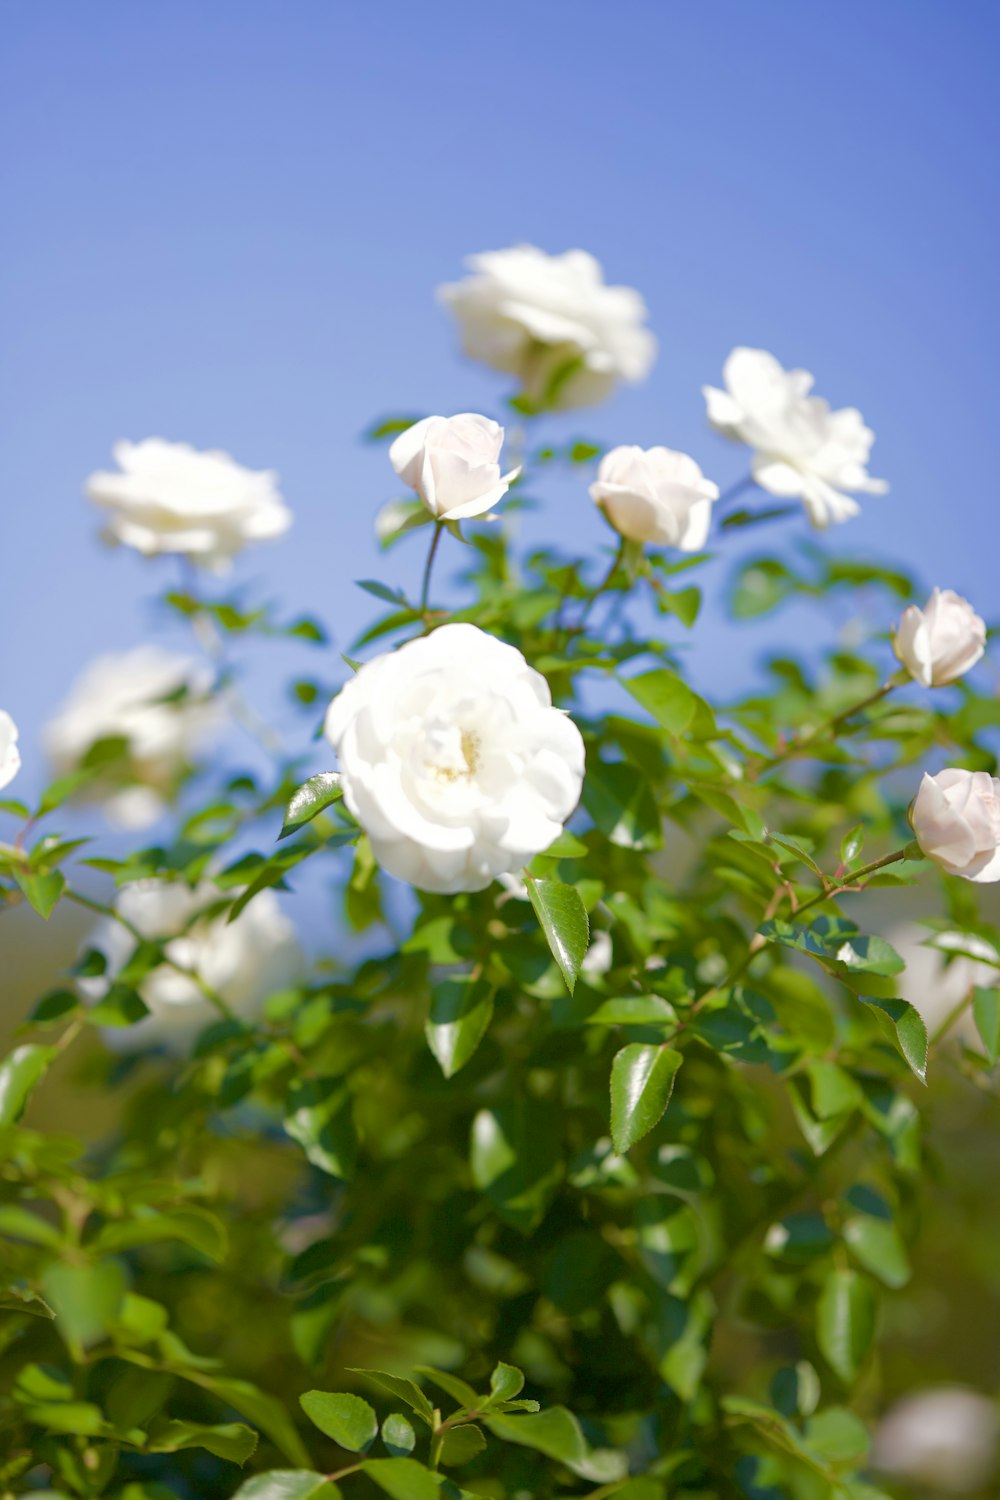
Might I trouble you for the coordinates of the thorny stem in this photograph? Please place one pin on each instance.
(102, 909)
(429, 568)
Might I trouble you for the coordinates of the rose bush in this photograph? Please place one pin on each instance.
(510, 1092)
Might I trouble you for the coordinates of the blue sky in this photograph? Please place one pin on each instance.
(225, 224)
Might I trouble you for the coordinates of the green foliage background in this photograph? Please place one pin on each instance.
(522, 1228)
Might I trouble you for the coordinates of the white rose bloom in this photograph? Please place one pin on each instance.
(940, 643)
(453, 759)
(956, 821)
(243, 961)
(122, 696)
(655, 495)
(946, 1438)
(936, 984)
(453, 463)
(168, 497)
(552, 321)
(10, 756)
(802, 449)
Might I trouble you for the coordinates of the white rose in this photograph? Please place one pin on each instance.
(655, 495)
(151, 698)
(935, 983)
(453, 463)
(553, 322)
(244, 961)
(802, 449)
(939, 644)
(453, 759)
(956, 821)
(10, 756)
(947, 1438)
(171, 498)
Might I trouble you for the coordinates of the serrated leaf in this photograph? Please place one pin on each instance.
(461, 1445)
(309, 800)
(402, 1388)
(563, 919)
(642, 1080)
(904, 1022)
(347, 1419)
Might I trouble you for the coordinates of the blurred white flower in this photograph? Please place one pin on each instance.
(243, 961)
(453, 759)
(956, 821)
(940, 643)
(552, 321)
(453, 463)
(655, 495)
(152, 699)
(10, 756)
(597, 960)
(168, 497)
(947, 1438)
(935, 984)
(802, 449)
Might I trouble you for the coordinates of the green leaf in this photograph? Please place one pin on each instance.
(458, 1389)
(265, 1411)
(634, 1010)
(194, 1226)
(121, 1006)
(506, 1382)
(319, 1117)
(556, 1433)
(21, 1224)
(309, 800)
(402, 1388)
(845, 1322)
(403, 1478)
(347, 1419)
(986, 1012)
(288, 1484)
(838, 1436)
(398, 1435)
(665, 696)
(387, 427)
(230, 1440)
(55, 1006)
(642, 1080)
(902, 1021)
(563, 919)
(515, 1159)
(461, 1009)
(878, 1246)
(622, 805)
(20, 1072)
(42, 891)
(86, 1298)
(461, 1445)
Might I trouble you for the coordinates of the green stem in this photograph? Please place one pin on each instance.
(429, 568)
(849, 882)
(616, 562)
(802, 742)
